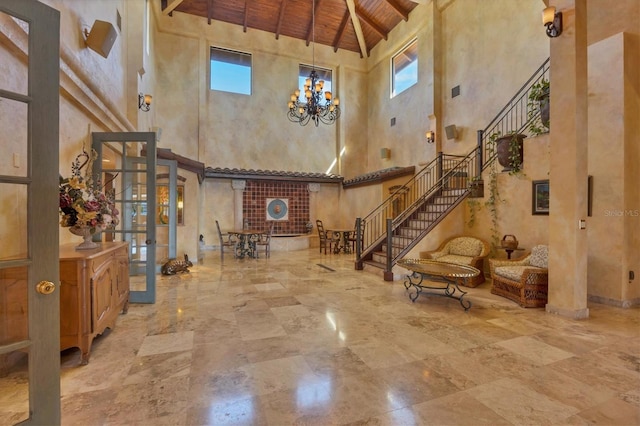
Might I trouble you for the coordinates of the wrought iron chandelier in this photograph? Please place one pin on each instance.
(318, 107)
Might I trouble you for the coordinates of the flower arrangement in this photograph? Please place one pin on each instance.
(82, 203)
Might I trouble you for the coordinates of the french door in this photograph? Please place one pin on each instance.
(29, 222)
(127, 162)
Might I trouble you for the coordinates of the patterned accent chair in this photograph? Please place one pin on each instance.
(462, 250)
(523, 280)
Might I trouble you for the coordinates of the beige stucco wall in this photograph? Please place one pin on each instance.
(471, 42)
(613, 126)
(514, 207)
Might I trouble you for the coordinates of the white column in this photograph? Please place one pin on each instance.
(238, 189)
(313, 188)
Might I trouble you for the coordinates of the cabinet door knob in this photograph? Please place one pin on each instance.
(45, 287)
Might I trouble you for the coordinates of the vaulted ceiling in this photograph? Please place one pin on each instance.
(354, 25)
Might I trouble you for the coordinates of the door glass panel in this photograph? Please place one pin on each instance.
(163, 215)
(13, 305)
(14, 384)
(13, 115)
(13, 221)
(13, 69)
(14, 387)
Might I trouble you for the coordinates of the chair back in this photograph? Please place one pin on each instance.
(267, 237)
(219, 231)
(321, 233)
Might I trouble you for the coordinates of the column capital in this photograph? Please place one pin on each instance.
(239, 185)
(314, 187)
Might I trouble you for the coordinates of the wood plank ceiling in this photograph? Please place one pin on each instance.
(354, 25)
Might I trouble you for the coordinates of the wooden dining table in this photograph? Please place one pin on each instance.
(246, 240)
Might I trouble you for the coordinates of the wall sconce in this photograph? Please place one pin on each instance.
(553, 21)
(431, 136)
(144, 102)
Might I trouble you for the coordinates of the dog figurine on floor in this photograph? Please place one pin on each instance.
(173, 266)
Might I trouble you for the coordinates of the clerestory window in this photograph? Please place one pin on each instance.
(230, 71)
(404, 68)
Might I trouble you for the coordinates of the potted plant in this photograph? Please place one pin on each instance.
(539, 102)
(476, 187)
(510, 150)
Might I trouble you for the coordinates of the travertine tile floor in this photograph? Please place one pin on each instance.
(303, 338)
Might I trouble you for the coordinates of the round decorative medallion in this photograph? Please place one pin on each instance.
(277, 209)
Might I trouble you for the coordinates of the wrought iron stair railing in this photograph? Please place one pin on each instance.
(384, 225)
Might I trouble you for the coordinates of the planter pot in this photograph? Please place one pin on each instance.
(476, 189)
(543, 104)
(504, 153)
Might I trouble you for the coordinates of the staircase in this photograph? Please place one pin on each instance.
(438, 188)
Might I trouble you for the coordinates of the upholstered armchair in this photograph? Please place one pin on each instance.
(523, 280)
(462, 250)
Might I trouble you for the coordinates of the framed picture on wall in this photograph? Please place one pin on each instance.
(540, 197)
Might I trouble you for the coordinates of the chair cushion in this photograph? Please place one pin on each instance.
(453, 258)
(539, 256)
(465, 246)
(512, 272)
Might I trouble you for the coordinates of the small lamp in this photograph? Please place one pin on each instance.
(144, 102)
(431, 136)
(553, 21)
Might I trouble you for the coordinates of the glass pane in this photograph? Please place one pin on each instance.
(230, 71)
(13, 115)
(405, 68)
(14, 387)
(13, 221)
(13, 305)
(13, 63)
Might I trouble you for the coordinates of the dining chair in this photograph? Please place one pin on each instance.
(228, 242)
(265, 240)
(324, 240)
(353, 238)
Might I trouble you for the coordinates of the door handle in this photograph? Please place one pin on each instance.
(148, 242)
(45, 287)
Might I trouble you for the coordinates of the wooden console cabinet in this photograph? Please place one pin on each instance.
(94, 289)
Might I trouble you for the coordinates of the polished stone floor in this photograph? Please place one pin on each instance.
(303, 338)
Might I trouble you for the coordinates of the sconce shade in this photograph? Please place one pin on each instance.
(144, 101)
(552, 20)
(101, 37)
(431, 136)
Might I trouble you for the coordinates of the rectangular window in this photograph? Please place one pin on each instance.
(305, 72)
(230, 71)
(404, 68)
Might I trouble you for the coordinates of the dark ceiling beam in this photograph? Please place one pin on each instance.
(245, 19)
(363, 16)
(283, 5)
(169, 5)
(209, 11)
(340, 32)
(398, 9)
